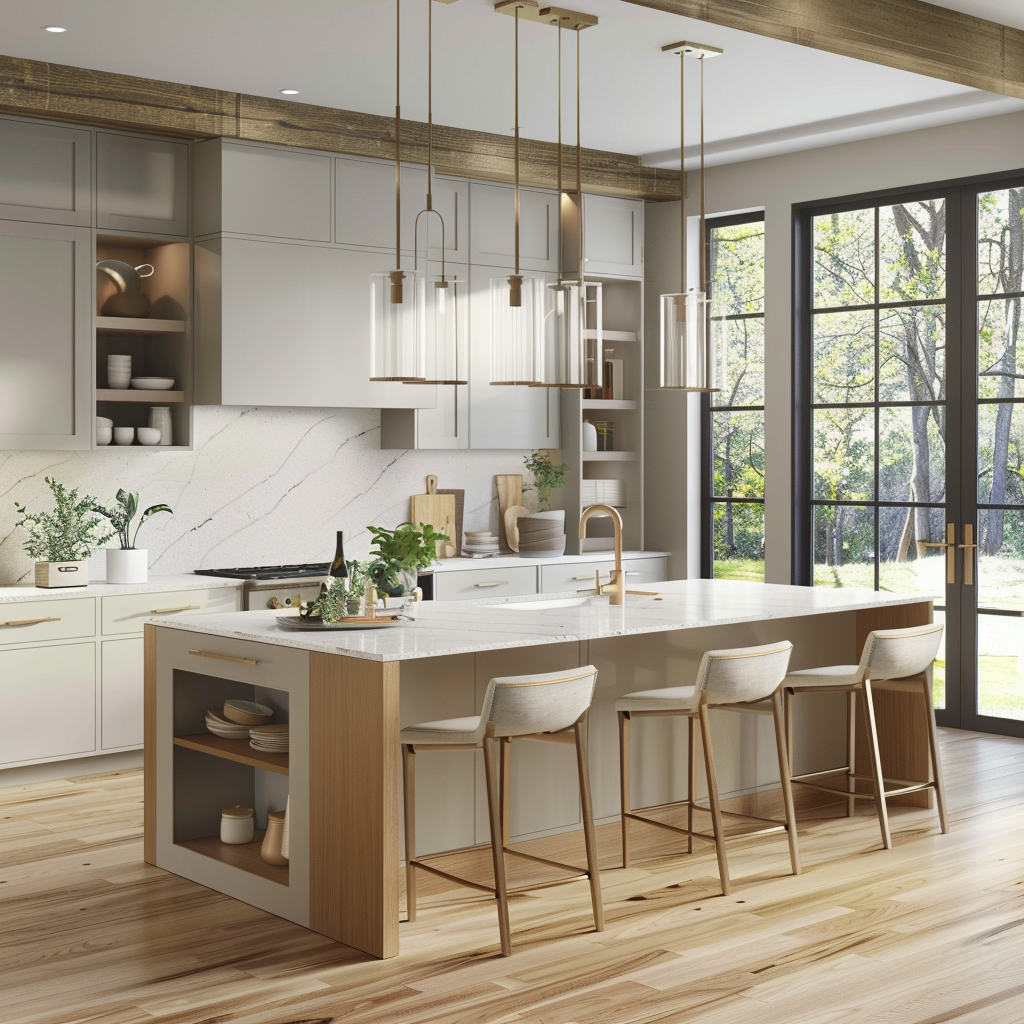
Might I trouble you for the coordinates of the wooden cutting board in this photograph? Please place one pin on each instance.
(510, 492)
(438, 511)
(460, 508)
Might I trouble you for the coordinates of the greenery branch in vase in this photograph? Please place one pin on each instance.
(62, 541)
(343, 597)
(546, 475)
(127, 564)
(399, 554)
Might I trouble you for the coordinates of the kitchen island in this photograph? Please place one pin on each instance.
(347, 694)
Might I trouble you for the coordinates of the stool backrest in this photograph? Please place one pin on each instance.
(743, 673)
(897, 653)
(520, 705)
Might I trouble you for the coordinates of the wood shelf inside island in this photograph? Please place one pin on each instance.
(244, 856)
(137, 325)
(234, 750)
(138, 395)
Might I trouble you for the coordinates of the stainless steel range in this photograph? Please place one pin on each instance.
(275, 586)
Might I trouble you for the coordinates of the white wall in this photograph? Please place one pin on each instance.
(263, 486)
(980, 147)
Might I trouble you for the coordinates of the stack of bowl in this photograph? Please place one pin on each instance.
(480, 542)
(542, 535)
(104, 429)
(119, 371)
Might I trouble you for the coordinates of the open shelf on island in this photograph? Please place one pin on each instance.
(608, 404)
(234, 750)
(137, 325)
(244, 856)
(609, 456)
(138, 395)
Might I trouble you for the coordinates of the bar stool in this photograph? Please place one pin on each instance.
(741, 679)
(551, 707)
(892, 659)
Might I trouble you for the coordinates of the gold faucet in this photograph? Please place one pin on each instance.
(615, 588)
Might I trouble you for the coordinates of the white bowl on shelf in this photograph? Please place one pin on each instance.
(104, 434)
(103, 421)
(124, 435)
(152, 383)
(147, 435)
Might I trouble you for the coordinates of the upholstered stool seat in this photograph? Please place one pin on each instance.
(552, 707)
(741, 679)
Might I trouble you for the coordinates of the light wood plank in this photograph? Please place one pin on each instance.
(235, 750)
(245, 856)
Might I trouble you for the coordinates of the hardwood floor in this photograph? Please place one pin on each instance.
(931, 931)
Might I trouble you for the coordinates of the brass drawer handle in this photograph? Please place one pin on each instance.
(494, 583)
(28, 622)
(632, 572)
(224, 657)
(577, 579)
(170, 611)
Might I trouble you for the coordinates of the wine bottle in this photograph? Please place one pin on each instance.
(338, 566)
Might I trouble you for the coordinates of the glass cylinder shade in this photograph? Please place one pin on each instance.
(398, 330)
(686, 363)
(447, 330)
(517, 331)
(572, 354)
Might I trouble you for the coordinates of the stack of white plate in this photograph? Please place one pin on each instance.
(220, 726)
(119, 371)
(271, 738)
(480, 542)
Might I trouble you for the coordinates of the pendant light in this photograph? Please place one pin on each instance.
(447, 328)
(572, 353)
(687, 362)
(517, 301)
(398, 325)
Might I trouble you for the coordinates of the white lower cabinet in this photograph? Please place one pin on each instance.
(48, 695)
(120, 693)
(465, 584)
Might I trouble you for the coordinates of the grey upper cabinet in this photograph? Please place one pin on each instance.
(286, 324)
(141, 184)
(46, 340)
(613, 236)
(271, 191)
(365, 209)
(44, 173)
(492, 233)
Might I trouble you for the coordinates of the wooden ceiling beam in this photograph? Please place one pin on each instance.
(909, 35)
(55, 91)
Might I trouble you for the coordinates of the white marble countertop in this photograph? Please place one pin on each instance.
(463, 627)
(99, 588)
(507, 561)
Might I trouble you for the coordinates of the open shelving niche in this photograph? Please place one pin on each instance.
(211, 773)
(622, 335)
(160, 345)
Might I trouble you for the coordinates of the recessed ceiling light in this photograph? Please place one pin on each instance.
(54, 28)
(289, 92)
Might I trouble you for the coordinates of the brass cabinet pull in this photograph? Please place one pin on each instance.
(969, 548)
(632, 572)
(28, 622)
(577, 579)
(950, 545)
(494, 583)
(181, 608)
(224, 657)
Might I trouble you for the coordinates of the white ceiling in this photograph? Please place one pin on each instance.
(763, 96)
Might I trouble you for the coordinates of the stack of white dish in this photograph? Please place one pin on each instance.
(270, 738)
(608, 492)
(104, 430)
(541, 535)
(220, 726)
(152, 383)
(480, 542)
(119, 371)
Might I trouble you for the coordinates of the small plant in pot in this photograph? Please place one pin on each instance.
(61, 541)
(398, 554)
(546, 475)
(127, 564)
(542, 534)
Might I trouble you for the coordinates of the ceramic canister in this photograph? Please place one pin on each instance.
(236, 825)
(270, 851)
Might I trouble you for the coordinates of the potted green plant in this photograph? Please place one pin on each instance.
(542, 534)
(127, 564)
(398, 554)
(546, 475)
(61, 541)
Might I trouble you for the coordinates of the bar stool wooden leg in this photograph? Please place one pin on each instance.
(506, 788)
(933, 742)
(409, 774)
(851, 751)
(716, 811)
(691, 778)
(624, 782)
(587, 810)
(491, 771)
(787, 789)
(876, 765)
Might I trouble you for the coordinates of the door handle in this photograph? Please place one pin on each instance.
(969, 547)
(492, 583)
(950, 545)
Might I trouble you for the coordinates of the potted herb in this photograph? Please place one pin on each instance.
(400, 553)
(546, 475)
(62, 541)
(127, 564)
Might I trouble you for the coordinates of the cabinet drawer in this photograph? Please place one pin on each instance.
(469, 583)
(646, 570)
(560, 579)
(128, 612)
(28, 622)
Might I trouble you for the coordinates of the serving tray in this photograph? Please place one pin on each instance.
(297, 624)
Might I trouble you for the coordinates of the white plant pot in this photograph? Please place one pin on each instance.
(127, 565)
(62, 574)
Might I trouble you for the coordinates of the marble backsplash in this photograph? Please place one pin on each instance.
(263, 486)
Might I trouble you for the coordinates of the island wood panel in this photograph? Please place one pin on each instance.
(899, 717)
(353, 801)
(149, 743)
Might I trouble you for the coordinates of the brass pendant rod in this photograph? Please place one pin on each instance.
(579, 157)
(430, 102)
(703, 240)
(398, 135)
(560, 250)
(682, 168)
(517, 140)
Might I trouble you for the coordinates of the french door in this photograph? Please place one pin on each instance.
(909, 435)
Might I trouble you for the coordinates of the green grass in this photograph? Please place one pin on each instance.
(748, 569)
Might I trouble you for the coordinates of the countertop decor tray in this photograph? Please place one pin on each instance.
(297, 624)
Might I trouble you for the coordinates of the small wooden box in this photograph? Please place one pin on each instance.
(62, 574)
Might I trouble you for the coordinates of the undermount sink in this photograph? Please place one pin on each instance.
(541, 603)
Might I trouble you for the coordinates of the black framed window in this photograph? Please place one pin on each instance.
(733, 435)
